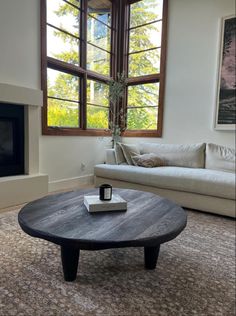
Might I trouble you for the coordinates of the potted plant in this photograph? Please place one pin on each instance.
(116, 94)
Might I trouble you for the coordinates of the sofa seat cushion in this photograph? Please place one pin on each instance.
(201, 181)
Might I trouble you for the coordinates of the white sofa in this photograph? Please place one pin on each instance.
(199, 176)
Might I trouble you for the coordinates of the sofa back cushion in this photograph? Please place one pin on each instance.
(130, 150)
(190, 156)
(220, 158)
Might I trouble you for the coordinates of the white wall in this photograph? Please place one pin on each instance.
(192, 62)
(19, 43)
(62, 157)
(191, 77)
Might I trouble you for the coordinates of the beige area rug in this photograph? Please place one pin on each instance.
(195, 275)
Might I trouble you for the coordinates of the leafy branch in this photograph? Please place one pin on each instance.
(117, 114)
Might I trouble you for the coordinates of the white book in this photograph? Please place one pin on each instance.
(94, 204)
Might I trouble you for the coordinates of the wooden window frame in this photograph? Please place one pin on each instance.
(152, 78)
(80, 71)
(118, 64)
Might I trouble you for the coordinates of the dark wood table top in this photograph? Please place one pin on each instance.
(63, 219)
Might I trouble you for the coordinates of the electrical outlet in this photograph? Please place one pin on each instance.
(101, 139)
(82, 167)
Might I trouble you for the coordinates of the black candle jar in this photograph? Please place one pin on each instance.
(105, 192)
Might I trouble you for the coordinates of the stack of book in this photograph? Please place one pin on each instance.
(94, 204)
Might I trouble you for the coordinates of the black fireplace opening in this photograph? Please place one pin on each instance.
(11, 140)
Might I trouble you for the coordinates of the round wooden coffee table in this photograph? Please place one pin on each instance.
(149, 221)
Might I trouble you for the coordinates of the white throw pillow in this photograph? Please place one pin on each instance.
(120, 158)
(148, 160)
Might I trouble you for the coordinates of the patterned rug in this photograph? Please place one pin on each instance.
(195, 275)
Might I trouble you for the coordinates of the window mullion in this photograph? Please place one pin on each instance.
(63, 31)
(125, 12)
(83, 62)
(145, 24)
(122, 16)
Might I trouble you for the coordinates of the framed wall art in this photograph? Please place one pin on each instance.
(225, 114)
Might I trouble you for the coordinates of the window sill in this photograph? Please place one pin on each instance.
(57, 131)
(142, 133)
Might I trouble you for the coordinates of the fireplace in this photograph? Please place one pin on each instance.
(11, 140)
(20, 178)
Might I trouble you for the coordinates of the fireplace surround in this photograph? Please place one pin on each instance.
(29, 183)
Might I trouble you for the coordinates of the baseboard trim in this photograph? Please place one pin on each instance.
(70, 183)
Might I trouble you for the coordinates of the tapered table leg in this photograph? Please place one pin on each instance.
(70, 260)
(150, 257)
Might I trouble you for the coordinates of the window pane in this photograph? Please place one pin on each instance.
(62, 85)
(62, 46)
(101, 10)
(97, 117)
(63, 113)
(144, 63)
(143, 118)
(145, 37)
(145, 11)
(63, 15)
(143, 95)
(99, 34)
(97, 93)
(98, 60)
(75, 2)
